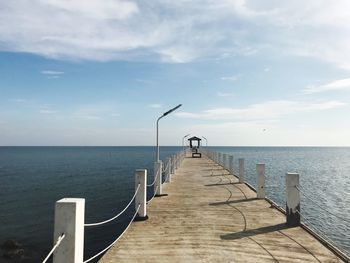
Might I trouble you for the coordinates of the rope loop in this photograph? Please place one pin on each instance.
(119, 214)
(167, 165)
(58, 242)
(324, 209)
(115, 241)
(154, 194)
(155, 179)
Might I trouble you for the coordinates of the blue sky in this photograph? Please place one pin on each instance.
(247, 72)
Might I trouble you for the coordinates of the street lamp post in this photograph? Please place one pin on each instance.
(158, 164)
(206, 141)
(164, 114)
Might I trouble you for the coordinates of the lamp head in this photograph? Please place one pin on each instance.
(170, 111)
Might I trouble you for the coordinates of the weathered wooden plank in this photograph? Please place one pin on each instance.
(208, 216)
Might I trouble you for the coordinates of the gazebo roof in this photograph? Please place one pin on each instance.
(194, 138)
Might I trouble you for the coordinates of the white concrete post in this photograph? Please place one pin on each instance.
(170, 169)
(172, 164)
(225, 161)
(292, 199)
(167, 172)
(230, 161)
(260, 180)
(69, 220)
(176, 161)
(158, 182)
(241, 170)
(140, 198)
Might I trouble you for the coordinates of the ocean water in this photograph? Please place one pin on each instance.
(33, 178)
(324, 183)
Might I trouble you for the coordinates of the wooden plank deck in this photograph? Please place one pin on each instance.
(209, 217)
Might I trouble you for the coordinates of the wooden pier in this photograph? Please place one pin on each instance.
(208, 216)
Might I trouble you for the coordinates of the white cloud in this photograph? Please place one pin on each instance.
(341, 84)
(144, 81)
(155, 106)
(18, 100)
(46, 111)
(230, 78)
(224, 94)
(94, 112)
(51, 72)
(87, 117)
(109, 9)
(266, 110)
(184, 114)
(176, 31)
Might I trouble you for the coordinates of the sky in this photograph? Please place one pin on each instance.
(248, 72)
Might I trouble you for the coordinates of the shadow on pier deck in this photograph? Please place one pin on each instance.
(209, 217)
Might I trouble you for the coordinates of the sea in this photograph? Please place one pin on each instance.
(32, 179)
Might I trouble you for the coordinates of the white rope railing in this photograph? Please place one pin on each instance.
(317, 230)
(329, 212)
(312, 225)
(167, 176)
(166, 167)
(75, 240)
(154, 194)
(155, 179)
(119, 214)
(58, 242)
(115, 241)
